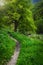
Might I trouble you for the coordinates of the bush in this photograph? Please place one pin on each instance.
(31, 52)
(39, 24)
(7, 46)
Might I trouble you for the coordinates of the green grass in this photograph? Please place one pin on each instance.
(7, 46)
(37, 36)
(31, 52)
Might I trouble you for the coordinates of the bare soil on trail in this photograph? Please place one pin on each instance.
(14, 58)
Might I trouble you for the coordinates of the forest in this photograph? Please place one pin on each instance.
(21, 32)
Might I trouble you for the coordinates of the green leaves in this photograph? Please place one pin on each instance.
(38, 16)
(7, 46)
(31, 52)
(19, 13)
(16, 16)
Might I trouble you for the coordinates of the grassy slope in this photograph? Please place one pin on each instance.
(31, 52)
(7, 46)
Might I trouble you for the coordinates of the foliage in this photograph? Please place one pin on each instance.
(39, 24)
(7, 46)
(18, 12)
(38, 16)
(31, 52)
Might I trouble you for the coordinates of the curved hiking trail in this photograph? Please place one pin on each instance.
(14, 58)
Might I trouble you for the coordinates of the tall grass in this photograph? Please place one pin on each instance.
(7, 46)
(31, 52)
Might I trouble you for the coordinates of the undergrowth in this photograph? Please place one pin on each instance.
(7, 46)
(31, 52)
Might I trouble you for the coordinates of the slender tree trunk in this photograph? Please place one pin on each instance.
(15, 26)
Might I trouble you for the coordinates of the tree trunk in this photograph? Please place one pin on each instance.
(15, 26)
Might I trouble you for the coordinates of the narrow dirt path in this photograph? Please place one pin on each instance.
(14, 58)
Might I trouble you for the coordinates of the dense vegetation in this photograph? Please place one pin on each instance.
(16, 17)
(7, 46)
(38, 16)
(31, 52)
(19, 13)
(23, 16)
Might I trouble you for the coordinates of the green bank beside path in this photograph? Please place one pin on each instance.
(7, 47)
(31, 52)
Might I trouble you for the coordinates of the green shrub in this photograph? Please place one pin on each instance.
(31, 52)
(7, 46)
